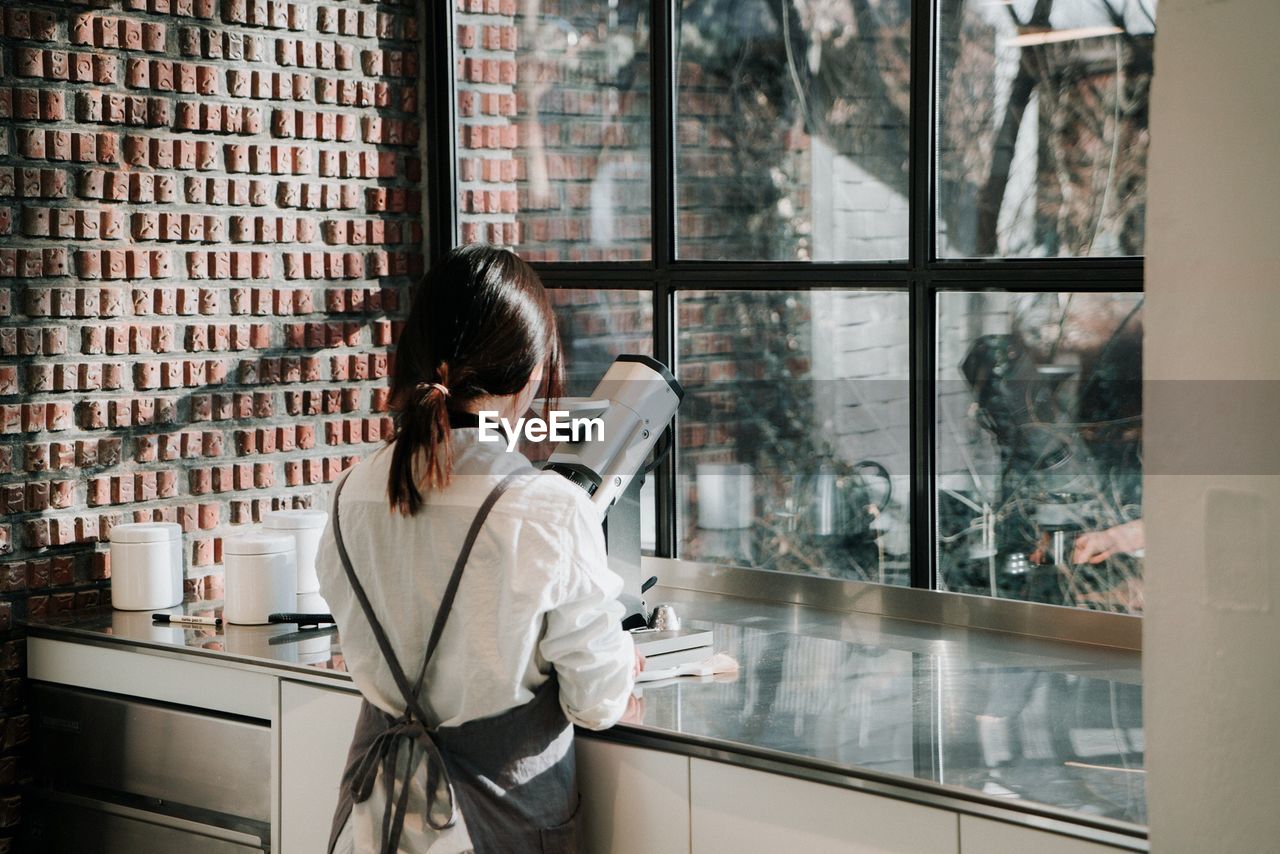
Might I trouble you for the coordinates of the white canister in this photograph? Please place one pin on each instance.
(261, 577)
(146, 566)
(306, 526)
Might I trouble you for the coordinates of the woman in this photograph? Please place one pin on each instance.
(478, 616)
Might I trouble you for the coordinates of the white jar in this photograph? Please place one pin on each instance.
(305, 526)
(146, 566)
(261, 577)
(726, 496)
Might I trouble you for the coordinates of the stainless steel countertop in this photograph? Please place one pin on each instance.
(1035, 731)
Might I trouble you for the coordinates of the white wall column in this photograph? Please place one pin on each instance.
(1212, 504)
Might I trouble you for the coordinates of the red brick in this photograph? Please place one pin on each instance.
(120, 227)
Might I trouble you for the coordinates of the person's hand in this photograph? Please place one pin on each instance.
(1126, 596)
(1097, 546)
(638, 667)
(635, 711)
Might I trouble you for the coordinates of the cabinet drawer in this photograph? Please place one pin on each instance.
(189, 681)
(86, 827)
(149, 750)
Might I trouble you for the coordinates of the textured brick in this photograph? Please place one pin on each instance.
(203, 205)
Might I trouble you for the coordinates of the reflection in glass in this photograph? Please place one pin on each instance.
(576, 184)
(794, 441)
(1039, 447)
(595, 327)
(791, 129)
(1042, 137)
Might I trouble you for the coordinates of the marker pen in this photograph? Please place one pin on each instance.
(187, 620)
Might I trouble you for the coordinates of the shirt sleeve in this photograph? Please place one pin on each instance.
(584, 639)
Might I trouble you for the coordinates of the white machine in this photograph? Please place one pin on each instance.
(636, 401)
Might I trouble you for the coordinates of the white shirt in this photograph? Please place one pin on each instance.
(537, 593)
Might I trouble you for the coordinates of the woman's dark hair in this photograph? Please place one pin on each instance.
(480, 324)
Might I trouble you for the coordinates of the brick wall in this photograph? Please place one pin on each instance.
(209, 212)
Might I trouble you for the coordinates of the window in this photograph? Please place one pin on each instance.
(598, 325)
(553, 113)
(795, 437)
(1042, 137)
(891, 247)
(791, 130)
(1039, 446)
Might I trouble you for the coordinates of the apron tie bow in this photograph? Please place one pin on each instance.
(383, 754)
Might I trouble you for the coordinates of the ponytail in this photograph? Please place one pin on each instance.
(423, 440)
(479, 326)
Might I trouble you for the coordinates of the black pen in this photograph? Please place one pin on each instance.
(187, 620)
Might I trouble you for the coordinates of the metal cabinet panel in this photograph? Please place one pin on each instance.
(85, 827)
(750, 812)
(634, 801)
(316, 725)
(170, 754)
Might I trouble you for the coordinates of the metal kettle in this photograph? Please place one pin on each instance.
(840, 504)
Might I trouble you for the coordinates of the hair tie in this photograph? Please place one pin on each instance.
(426, 387)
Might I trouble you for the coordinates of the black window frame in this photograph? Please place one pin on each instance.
(922, 275)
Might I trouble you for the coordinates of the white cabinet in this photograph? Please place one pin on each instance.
(634, 801)
(134, 672)
(742, 811)
(983, 836)
(315, 731)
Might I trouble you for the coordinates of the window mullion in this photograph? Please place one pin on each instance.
(663, 225)
(922, 371)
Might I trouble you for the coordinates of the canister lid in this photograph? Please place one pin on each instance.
(257, 544)
(293, 520)
(146, 532)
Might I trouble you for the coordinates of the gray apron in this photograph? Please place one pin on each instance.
(485, 769)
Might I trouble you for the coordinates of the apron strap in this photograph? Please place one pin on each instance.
(379, 634)
(410, 731)
(411, 693)
(451, 590)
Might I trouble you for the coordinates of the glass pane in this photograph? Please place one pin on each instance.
(791, 129)
(1042, 111)
(553, 129)
(794, 442)
(595, 327)
(1039, 447)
